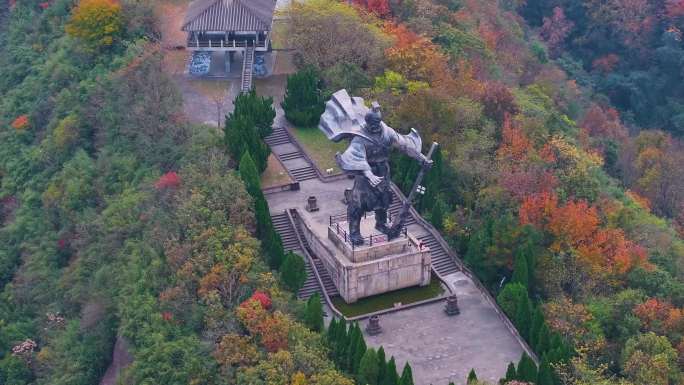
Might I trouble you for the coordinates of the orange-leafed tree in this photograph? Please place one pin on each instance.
(97, 22)
(416, 57)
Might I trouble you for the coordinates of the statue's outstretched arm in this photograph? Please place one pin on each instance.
(410, 144)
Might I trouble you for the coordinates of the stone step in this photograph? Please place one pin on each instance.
(290, 156)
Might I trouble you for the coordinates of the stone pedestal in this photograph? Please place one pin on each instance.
(378, 266)
(451, 307)
(311, 204)
(373, 328)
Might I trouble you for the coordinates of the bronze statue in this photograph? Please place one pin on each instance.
(367, 159)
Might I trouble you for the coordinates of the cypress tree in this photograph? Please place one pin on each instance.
(511, 374)
(259, 109)
(522, 318)
(314, 313)
(527, 370)
(520, 270)
(351, 348)
(391, 376)
(273, 246)
(382, 364)
(250, 175)
(368, 368)
(342, 341)
(304, 101)
(535, 327)
(472, 377)
(293, 272)
(545, 376)
(437, 214)
(359, 352)
(331, 333)
(543, 343)
(406, 375)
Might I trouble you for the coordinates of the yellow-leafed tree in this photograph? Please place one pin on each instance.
(97, 22)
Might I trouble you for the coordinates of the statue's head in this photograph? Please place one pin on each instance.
(373, 119)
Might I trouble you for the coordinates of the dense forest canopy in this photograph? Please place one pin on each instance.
(559, 181)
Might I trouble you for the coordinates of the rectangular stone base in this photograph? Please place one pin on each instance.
(367, 270)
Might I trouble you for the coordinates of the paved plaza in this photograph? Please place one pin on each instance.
(440, 348)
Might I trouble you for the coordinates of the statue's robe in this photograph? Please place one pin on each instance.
(370, 152)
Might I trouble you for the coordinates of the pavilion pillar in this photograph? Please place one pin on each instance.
(228, 58)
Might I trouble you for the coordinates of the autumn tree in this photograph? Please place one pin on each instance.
(97, 22)
(555, 30)
(648, 358)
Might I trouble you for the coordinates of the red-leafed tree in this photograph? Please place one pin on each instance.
(170, 180)
(556, 29)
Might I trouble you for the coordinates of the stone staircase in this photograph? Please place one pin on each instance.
(441, 260)
(280, 136)
(283, 226)
(247, 69)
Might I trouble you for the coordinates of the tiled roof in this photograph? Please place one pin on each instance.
(229, 15)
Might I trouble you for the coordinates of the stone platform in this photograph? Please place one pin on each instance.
(376, 267)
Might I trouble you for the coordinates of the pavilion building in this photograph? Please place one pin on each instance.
(230, 26)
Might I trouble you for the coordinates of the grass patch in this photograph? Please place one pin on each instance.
(275, 174)
(387, 300)
(320, 149)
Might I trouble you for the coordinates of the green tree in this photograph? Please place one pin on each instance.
(535, 326)
(391, 376)
(331, 333)
(293, 271)
(314, 312)
(14, 371)
(259, 109)
(522, 318)
(406, 375)
(273, 246)
(545, 376)
(359, 350)
(510, 297)
(542, 341)
(382, 364)
(520, 270)
(368, 368)
(527, 370)
(472, 377)
(437, 212)
(250, 175)
(511, 374)
(304, 101)
(650, 359)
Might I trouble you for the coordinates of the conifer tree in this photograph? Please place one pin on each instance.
(537, 322)
(391, 376)
(331, 334)
(314, 313)
(350, 352)
(304, 101)
(522, 316)
(382, 364)
(273, 246)
(406, 375)
(439, 209)
(545, 375)
(511, 374)
(368, 368)
(359, 352)
(293, 272)
(527, 370)
(520, 270)
(259, 109)
(250, 175)
(543, 343)
(342, 341)
(472, 377)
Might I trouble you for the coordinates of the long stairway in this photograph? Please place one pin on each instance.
(441, 260)
(247, 67)
(300, 172)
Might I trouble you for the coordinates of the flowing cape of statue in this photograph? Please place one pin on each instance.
(344, 118)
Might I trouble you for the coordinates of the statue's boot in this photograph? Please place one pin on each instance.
(381, 221)
(355, 231)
